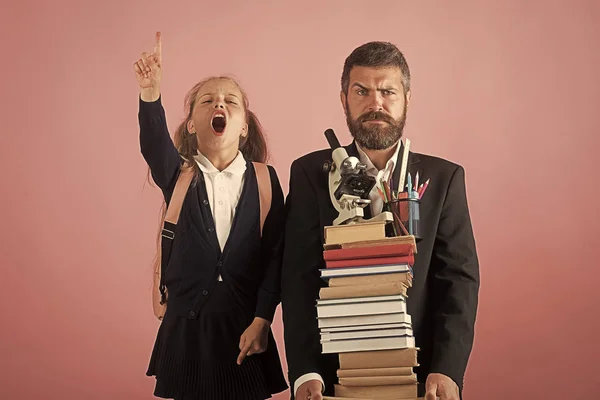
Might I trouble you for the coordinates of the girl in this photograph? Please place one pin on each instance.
(222, 277)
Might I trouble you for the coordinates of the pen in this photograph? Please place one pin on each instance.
(409, 186)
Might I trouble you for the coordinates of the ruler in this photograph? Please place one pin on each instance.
(404, 163)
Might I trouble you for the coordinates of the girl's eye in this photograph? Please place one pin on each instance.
(206, 101)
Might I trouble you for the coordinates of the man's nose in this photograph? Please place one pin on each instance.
(375, 102)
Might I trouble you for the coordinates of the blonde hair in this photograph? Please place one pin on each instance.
(253, 147)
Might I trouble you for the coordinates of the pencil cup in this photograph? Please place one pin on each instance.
(406, 216)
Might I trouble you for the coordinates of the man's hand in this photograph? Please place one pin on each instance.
(310, 390)
(255, 338)
(442, 386)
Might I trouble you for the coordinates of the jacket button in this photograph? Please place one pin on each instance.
(204, 292)
(205, 202)
(210, 229)
(220, 264)
(192, 314)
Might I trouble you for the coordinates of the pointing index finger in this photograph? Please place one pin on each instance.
(158, 47)
(243, 353)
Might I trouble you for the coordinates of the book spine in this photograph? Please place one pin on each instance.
(365, 262)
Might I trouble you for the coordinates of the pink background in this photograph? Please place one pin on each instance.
(509, 89)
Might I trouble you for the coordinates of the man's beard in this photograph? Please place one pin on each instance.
(376, 137)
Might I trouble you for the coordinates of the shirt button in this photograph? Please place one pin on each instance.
(204, 293)
(222, 189)
(220, 202)
(192, 314)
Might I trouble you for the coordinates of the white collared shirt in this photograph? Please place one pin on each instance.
(380, 175)
(224, 189)
(376, 208)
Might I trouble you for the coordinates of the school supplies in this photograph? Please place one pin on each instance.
(362, 313)
(422, 189)
(404, 163)
(349, 185)
(416, 181)
(405, 204)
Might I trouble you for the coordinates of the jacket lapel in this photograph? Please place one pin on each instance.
(352, 150)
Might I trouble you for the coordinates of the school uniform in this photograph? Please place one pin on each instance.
(221, 275)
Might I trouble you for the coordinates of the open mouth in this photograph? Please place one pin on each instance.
(218, 123)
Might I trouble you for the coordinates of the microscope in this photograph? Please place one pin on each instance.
(349, 186)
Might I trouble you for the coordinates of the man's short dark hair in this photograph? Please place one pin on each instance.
(376, 55)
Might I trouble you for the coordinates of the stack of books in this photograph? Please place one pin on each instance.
(362, 314)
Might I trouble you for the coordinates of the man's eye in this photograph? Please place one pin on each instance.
(361, 92)
(387, 93)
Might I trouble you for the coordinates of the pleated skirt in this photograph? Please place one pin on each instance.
(196, 359)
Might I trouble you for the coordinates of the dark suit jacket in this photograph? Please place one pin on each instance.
(444, 297)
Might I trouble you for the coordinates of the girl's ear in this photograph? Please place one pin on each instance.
(190, 127)
(245, 130)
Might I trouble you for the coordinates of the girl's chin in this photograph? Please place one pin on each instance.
(217, 143)
(217, 134)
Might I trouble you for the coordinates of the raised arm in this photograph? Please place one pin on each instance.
(155, 142)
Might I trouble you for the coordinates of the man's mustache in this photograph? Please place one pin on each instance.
(376, 116)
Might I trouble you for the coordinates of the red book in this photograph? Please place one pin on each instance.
(364, 262)
(394, 250)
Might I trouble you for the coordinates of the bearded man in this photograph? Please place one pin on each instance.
(443, 298)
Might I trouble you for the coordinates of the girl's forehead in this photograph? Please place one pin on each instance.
(220, 86)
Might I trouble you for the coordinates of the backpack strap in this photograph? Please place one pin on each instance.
(171, 218)
(263, 179)
(181, 188)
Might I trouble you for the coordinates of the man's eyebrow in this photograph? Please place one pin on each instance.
(360, 86)
(391, 88)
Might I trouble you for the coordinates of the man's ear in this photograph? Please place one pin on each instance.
(408, 95)
(344, 100)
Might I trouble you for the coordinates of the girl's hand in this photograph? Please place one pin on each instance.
(254, 340)
(148, 72)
